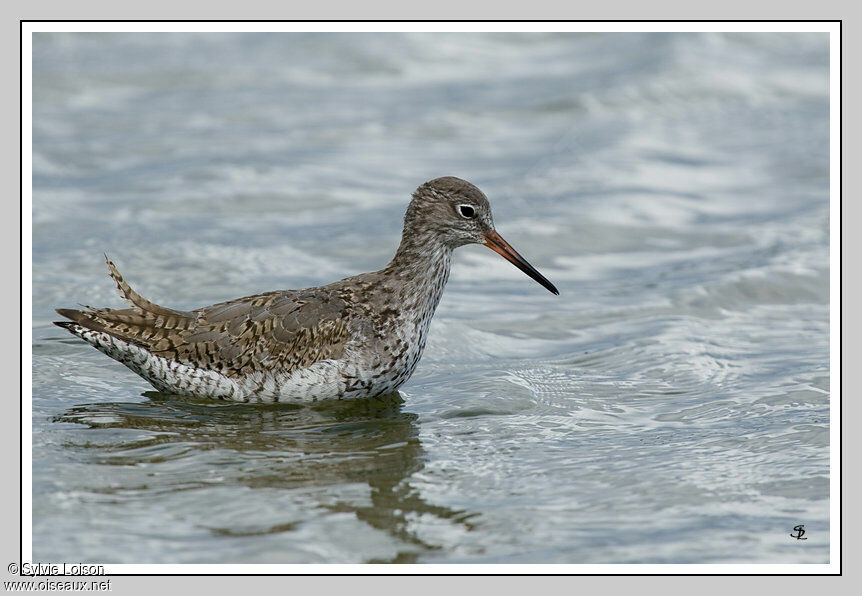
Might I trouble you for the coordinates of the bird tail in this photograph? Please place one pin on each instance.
(135, 325)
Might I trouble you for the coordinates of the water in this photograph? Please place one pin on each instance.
(671, 406)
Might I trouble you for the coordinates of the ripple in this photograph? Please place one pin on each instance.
(672, 404)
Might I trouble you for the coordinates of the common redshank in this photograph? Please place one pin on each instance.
(356, 338)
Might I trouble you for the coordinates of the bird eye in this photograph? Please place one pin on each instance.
(466, 211)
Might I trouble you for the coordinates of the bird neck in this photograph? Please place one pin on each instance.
(421, 265)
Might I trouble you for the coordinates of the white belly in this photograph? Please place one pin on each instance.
(365, 370)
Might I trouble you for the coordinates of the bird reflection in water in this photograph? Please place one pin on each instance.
(331, 445)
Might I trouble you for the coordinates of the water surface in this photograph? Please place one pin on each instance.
(670, 406)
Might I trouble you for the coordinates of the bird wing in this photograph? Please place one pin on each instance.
(285, 329)
(288, 329)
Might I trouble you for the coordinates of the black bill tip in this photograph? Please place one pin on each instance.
(496, 243)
